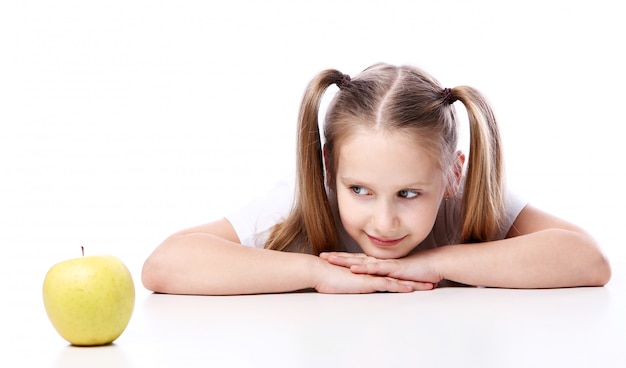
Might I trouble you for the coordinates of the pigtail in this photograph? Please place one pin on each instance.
(483, 193)
(310, 225)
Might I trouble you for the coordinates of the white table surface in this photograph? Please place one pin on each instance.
(119, 119)
(453, 327)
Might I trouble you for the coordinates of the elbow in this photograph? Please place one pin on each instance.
(600, 274)
(151, 277)
(582, 258)
(169, 269)
(155, 275)
(598, 268)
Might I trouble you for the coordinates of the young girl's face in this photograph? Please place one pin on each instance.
(388, 192)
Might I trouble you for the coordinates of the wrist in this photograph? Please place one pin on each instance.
(453, 262)
(314, 271)
(436, 260)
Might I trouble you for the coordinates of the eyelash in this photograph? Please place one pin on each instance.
(411, 192)
(356, 188)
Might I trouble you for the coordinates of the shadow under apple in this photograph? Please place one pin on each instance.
(110, 355)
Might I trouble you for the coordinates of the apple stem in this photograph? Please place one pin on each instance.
(82, 249)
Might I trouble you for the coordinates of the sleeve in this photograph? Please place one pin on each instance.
(514, 206)
(253, 223)
(448, 225)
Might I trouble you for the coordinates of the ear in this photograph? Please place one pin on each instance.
(458, 175)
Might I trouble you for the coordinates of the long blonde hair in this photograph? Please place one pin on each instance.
(391, 97)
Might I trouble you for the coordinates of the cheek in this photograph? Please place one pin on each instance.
(417, 222)
(422, 218)
(419, 216)
(350, 213)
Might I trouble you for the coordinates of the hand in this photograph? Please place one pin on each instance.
(335, 279)
(414, 268)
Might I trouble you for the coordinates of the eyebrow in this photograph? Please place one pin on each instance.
(414, 185)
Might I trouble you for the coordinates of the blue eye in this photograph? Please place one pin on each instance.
(358, 190)
(408, 194)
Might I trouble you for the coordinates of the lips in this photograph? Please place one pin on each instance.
(382, 242)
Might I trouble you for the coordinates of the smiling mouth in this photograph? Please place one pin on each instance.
(385, 242)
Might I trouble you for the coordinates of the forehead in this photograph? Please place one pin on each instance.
(383, 156)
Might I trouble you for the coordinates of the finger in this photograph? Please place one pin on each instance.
(414, 285)
(421, 286)
(380, 268)
(347, 260)
(392, 285)
(385, 269)
(400, 286)
(326, 255)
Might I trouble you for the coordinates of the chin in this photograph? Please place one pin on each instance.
(385, 253)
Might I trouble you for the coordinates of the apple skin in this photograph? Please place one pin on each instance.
(89, 300)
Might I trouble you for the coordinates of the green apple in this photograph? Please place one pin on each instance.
(89, 300)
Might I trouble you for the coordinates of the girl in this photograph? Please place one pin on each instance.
(383, 205)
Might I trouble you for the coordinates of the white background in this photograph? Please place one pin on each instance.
(124, 121)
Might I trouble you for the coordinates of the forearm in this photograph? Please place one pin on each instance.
(545, 259)
(208, 265)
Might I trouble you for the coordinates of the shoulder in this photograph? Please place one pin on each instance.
(447, 228)
(515, 204)
(531, 219)
(254, 221)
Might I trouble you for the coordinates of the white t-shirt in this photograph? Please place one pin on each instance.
(254, 222)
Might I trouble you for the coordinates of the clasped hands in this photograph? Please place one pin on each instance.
(359, 273)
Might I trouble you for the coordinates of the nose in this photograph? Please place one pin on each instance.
(385, 217)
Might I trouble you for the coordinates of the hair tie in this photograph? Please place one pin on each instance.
(344, 81)
(447, 96)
